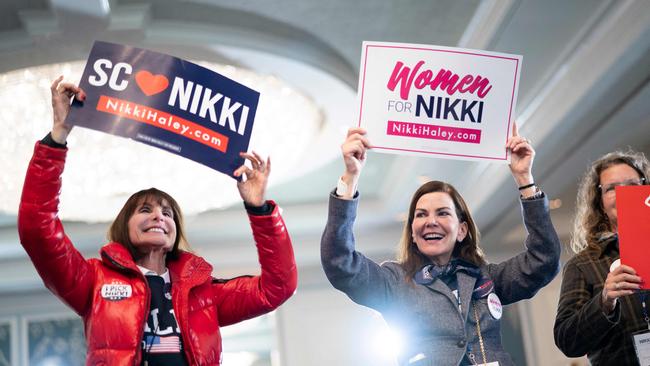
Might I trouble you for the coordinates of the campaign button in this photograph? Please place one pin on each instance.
(494, 305)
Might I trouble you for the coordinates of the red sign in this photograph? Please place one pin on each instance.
(633, 211)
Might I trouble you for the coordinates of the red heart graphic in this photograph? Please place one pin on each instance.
(151, 84)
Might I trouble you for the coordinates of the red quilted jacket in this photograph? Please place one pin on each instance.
(114, 321)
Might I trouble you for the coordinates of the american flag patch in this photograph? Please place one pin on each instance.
(158, 344)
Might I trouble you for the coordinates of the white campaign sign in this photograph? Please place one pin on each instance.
(438, 101)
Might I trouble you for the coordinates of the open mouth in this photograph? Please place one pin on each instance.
(433, 236)
(155, 230)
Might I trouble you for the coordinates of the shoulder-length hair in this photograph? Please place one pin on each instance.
(591, 224)
(119, 229)
(410, 258)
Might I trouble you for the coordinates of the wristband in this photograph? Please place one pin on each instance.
(538, 194)
(526, 186)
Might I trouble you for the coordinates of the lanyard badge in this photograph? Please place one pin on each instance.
(641, 339)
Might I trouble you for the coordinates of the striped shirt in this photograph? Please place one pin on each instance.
(581, 326)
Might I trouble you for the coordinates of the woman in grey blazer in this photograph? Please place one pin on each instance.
(441, 293)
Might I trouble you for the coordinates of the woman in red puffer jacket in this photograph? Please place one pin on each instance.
(147, 300)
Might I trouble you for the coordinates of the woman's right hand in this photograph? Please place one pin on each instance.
(622, 281)
(61, 94)
(354, 150)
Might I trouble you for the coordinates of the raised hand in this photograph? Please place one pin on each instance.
(354, 150)
(61, 96)
(253, 188)
(622, 281)
(521, 158)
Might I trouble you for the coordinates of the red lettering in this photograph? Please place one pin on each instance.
(444, 80)
(465, 81)
(423, 79)
(401, 75)
(482, 85)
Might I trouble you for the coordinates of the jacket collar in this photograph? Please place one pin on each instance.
(606, 246)
(117, 256)
(607, 241)
(467, 274)
(430, 272)
(466, 284)
(187, 266)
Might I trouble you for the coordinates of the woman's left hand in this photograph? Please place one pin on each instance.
(253, 187)
(521, 158)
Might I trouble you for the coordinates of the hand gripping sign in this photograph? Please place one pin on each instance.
(438, 101)
(166, 102)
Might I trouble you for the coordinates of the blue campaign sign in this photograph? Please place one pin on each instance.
(166, 102)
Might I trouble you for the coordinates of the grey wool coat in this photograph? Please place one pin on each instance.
(437, 332)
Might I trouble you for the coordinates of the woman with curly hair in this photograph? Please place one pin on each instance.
(598, 311)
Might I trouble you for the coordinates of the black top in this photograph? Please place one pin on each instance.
(161, 343)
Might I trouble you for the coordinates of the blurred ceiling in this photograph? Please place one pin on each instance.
(584, 91)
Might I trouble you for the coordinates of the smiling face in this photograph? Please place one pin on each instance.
(619, 174)
(152, 226)
(436, 228)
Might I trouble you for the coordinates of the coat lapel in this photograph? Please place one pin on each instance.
(440, 287)
(465, 288)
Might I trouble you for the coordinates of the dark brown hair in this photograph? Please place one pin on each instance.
(410, 257)
(119, 230)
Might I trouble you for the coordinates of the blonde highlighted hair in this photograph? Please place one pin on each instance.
(591, 224)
